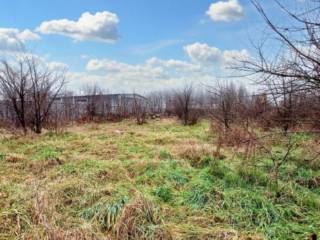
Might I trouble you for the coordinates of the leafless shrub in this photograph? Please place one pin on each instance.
(140, 109)
(260, 110)
(184, 105)
(123, 108)
(289, 74)
(226, 101)
(57, 120)
(156, 103)
(95, 103)
(14, 85)
(239, 137)
(30, 88)
(231, 115)
(46, 84)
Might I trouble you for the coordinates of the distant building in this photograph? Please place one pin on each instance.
(74, 107)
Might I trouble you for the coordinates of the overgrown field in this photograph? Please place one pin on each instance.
(156, 181)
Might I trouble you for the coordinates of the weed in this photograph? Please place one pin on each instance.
(164, 193)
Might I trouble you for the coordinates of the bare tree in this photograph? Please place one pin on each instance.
(298, 58)
(225, 102)
(156, 102)
(183, 103)
(14, 88)
(169, 100)
(31, 88)
(46, 84)
(95, 104)
(140, 109)
(287, 64)
(68, 106)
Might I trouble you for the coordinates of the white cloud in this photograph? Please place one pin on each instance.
(27, 35)
(130, 81)
(152, 68)
(57, 66)
(231, 57)
(123, 71)
(153, 74)
(211, 56)
(12, 39)
(101, 27)
(173, 65)
(225, 11)
(105, 64)
(205, 66)
(202, 53)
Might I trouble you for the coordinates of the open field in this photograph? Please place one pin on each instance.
(155, 181)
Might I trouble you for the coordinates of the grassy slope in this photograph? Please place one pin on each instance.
(76, 185)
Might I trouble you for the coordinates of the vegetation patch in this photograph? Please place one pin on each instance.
(67, 186)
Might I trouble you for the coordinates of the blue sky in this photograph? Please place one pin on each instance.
(147, 38)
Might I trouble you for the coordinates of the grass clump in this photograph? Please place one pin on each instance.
(198, 155)
(105, 214)
(141, 219)
(164, 193)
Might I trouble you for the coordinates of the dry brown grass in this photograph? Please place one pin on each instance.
(193, 152)
(46, 220)
(141, 219)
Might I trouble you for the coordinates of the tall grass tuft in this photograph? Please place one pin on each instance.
(141, 220)
(105, 213)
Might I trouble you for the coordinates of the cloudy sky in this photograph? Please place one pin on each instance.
(134, 45)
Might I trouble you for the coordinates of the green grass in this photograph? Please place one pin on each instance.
(123, 181)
